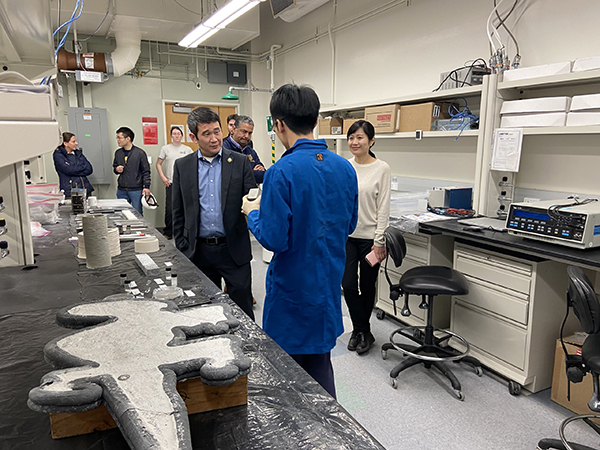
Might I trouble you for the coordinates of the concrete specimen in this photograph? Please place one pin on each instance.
(130, 355)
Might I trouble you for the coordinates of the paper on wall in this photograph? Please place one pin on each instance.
(506, 149)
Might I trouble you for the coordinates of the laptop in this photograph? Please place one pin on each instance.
(486, 223)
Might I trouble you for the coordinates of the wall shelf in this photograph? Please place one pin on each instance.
(449, 94)
(561, 130)
(411, 135)
(562, 80)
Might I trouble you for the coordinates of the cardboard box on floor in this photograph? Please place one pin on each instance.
(581, 393)
(420, 117)
(384, 118)
(331, 125)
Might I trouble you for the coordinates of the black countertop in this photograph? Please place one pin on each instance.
(286, 407)
(530, 247)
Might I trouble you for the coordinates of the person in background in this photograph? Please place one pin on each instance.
(231, 123)
(374, 188)
(72, 166)
(309, 206)
(168, 154)
(208, 225)
(132, 167)
(240, 141)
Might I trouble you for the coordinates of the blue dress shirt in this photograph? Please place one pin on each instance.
(209, 195)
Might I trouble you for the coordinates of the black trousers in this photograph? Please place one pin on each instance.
(319, 367)
(360, 302)
(168, 231)
(217, 264)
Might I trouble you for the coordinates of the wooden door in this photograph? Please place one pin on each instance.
(180, 119)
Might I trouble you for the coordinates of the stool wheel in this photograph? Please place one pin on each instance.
(380, 314)
(459, 395)
(394, 383)
(383, 354)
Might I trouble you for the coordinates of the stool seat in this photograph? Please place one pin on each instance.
(434, 280)
(590, 352)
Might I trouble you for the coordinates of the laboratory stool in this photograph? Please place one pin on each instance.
(432, 349)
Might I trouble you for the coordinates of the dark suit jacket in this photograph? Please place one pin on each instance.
(236, 181)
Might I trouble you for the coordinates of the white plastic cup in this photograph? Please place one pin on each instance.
(92, 201)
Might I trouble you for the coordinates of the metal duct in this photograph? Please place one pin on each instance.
(120, 61)
(128, 50)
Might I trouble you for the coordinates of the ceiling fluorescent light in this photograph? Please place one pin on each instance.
(219, 20)
(194, 35)
(203, 38)
(240, 13)
(225, 12)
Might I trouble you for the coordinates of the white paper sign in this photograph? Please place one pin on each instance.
(506, 149)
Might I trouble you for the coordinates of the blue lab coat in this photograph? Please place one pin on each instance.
(308, 208)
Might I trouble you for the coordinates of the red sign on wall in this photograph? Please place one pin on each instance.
(150, 129)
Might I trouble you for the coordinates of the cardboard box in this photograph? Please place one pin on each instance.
(384, 118)
(347, 124)
(537, 71)
(331, 125)
(557, 119)
(420, 117)
(583, 118)
(536, 105)
(581, 393)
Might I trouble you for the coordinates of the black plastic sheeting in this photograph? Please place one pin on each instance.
(286, 408)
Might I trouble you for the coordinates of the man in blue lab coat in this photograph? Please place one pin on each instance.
(309, 206)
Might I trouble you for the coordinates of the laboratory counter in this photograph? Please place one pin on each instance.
(286, 407)
(535, 250)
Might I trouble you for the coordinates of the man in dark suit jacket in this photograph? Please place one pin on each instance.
(208, 225)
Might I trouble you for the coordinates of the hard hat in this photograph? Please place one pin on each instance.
(149, 202)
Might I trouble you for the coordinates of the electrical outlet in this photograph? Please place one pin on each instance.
(531, 200)
(394, 183)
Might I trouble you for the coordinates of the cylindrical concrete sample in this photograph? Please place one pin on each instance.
(95, 234)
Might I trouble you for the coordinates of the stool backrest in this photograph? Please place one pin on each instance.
(394, 242)
(585, 301)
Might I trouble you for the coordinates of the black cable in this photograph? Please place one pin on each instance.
(189, 10)
(455, 72)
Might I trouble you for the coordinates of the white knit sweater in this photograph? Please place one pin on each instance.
(374, 186)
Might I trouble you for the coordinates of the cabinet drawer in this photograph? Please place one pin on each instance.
(501, 339)
(495, 270)
(510, 304)
(418, 251)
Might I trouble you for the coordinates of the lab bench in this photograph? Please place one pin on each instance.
(286, 407)
(517, 299)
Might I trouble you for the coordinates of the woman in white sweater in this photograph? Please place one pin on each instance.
(373, 218)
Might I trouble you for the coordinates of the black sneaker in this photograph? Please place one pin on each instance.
(365, 340)
(353, 341)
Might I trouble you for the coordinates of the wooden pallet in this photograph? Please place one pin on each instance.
(198, 397)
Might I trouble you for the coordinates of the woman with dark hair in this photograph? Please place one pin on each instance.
(373, 217)
(72, 166)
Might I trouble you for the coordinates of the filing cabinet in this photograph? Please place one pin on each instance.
(512, 314)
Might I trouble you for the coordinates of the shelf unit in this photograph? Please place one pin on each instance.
(566, 171)
(432, 142)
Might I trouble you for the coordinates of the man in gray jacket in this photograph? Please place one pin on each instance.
(132, 167)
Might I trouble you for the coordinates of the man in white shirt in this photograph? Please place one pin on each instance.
(168, 154)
